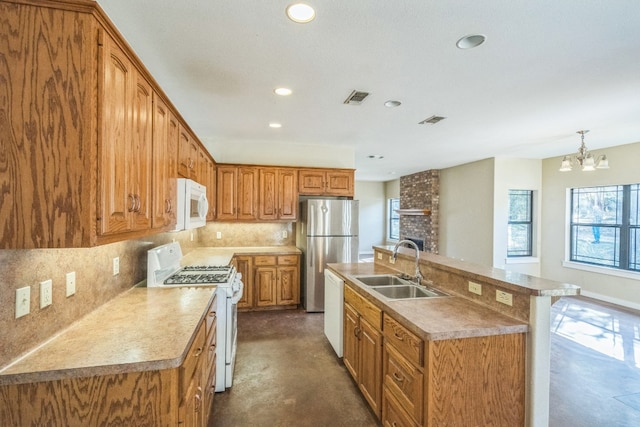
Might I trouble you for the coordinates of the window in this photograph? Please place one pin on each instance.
(394, 219)
(520, 228)
(604, 226)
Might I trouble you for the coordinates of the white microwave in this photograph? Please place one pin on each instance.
(192, 205)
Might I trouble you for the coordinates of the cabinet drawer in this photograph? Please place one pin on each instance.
(264, 260)
(193, 357)
(404, 380)
(367, 310)
(392, 413)
(287, 259)
(407, 343)
(210, 317)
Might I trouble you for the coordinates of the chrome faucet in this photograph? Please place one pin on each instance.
(411, 243)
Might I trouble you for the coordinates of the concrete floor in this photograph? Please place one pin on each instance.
(288, 375)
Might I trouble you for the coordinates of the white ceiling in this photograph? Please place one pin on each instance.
(547, 69)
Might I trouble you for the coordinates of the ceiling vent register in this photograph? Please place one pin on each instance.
(431, 120)
(356, 97)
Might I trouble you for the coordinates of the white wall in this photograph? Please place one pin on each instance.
(372, 214)
(279, 154)
(604, 284)
(515, 174)
(466, 212)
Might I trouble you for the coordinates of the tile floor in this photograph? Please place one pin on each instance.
(288, 375)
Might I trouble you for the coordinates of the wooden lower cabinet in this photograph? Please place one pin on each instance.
(362, 354)
(467, 381)
(167, 397)
(270, 281)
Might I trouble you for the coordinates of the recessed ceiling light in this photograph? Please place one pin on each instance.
(301, 13)
(283, 91)
(470, 41)
(376, 156)
(275, 125)
(392, 104)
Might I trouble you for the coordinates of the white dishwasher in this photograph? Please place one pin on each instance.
(333, 310)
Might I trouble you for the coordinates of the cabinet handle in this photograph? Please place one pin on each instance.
(356, 332)
(190, 163)
(132, 199)
(198, 399)
(198, 352)
(399, 337)
(138, 203)
(168, 207)
(398, 377)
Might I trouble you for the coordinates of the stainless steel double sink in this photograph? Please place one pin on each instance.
(394, 287)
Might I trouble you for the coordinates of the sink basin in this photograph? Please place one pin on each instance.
(382, 280)
(405, 292)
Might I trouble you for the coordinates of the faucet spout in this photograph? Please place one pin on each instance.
(418, 275)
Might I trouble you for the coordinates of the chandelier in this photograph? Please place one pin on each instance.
(584, 158)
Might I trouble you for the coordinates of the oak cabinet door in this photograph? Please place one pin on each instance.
(288, 286)
(265, 286)
(118, 84)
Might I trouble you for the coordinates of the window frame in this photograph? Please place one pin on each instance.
(529, 223)
(626, 226)
(393, 203)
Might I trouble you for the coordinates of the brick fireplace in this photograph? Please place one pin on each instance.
(420, 191)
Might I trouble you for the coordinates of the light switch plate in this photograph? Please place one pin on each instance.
(23, 301)
(71, 283)
(116, 266)
(475, 288)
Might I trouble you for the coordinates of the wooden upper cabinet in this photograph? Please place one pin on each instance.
(277, 193)
(163, 170)
(126, 144)
(188, 150)
(237, 193)
(211, 188)
(326, 182)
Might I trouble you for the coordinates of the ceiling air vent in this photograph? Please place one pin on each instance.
(432, 120)
(356, 97)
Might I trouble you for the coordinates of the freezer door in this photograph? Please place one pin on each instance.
(320, 251)
(326, 217)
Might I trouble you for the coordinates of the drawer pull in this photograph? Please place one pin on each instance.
(397, 377)
(400, 337)
(356, 332)
(198, 352)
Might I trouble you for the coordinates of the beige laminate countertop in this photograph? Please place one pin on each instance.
(223, 256)
(141, 329)
(436, 318)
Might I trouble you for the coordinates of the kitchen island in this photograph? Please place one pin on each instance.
(489, 338)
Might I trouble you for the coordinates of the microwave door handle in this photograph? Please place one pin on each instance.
(203, 206)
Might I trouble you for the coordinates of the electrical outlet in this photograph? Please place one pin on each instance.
(23, 301)
(116, 266)
(284, 234)
(218, 235)
(46, 289)
(191, 236)
(379, 255)
(71, 283)
(475, 288)
(504, 297)
(391, 260)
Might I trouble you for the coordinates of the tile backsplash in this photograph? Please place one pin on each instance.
(95, 282)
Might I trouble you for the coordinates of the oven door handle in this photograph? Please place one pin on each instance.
(238, 294)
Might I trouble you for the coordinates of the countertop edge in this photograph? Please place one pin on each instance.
(394, 310)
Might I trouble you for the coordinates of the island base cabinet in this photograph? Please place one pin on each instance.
(362, 353)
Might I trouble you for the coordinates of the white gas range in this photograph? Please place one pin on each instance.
(164, 269)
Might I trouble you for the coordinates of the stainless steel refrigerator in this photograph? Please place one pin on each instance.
(327, 232)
